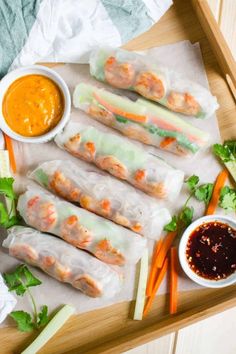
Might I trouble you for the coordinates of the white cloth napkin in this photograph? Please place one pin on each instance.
(67, 30)
(7, 300)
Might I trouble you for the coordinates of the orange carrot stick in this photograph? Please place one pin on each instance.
(153, 269)
(115, 110)
(219, 184)
(9, 147)
(158, 282)
(167, 242)
(173, 280)
(166, 142)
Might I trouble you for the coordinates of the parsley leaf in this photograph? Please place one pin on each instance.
(20, 280)
(13, 281)
(43, 318)
(13, 220)
(231, 145)
(172, 225)
(186, 216)
(222, 151)
(31, 280)
(6, 187)
(23, 320)
(225, 190)
(203, 193)
(7, 213)
(228, 199)
(3, 215)
(192, 182)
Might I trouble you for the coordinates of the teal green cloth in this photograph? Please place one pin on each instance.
(129, 16)
(16, 20)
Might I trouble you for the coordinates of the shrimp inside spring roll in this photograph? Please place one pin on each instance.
(63, 261)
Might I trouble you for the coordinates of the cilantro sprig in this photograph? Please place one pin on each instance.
(201, 192)
(20, 281)
(228, 199)
(8, 216)
(227, 154)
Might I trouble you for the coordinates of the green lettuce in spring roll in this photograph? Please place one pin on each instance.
(154, 81)
(103, 195)
(122, 159)
(141, 120)
(63, 261)
(109, 242)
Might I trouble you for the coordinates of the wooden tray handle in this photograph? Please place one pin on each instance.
(217, 42)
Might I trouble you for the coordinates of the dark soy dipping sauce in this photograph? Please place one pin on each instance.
(211, 250)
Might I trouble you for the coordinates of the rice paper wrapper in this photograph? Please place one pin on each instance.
(126, 205)
(109, 242)
(63, 261)
(106, 65)
(158, 126)
(28, 156)
(122, 159)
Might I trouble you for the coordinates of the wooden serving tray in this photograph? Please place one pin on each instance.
(110, 330)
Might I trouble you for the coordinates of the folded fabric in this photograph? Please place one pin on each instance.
(66, 31)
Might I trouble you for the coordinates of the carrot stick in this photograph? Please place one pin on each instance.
(166, 142)
(167, 242)
(115, 110)
(9, 147)
(219, 184)
(153, 269)
(173, 280)
(158, 282)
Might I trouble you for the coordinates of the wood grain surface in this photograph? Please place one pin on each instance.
(111, 330)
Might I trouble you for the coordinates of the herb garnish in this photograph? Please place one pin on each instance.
(20, 281)
(201, 192)
(8, 217)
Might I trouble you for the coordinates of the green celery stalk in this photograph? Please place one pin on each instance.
(52, 327)
(141, 293)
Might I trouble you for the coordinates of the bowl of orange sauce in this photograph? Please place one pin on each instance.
(35, 104)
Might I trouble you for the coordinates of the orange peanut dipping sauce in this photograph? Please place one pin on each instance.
(33, 105)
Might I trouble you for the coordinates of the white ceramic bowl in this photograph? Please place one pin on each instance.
(183, 259)
(38, 70)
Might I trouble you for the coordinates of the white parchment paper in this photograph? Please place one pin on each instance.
(183, 57)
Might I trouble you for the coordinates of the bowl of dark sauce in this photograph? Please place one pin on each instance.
(207, 251)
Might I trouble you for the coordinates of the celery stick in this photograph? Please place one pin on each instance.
(141, 293)
(231, 166)
(52, 327)
(84, 94)
(174, 119)
(227, 154)
(121, 102)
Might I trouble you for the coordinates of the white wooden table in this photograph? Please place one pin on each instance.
(217, 334)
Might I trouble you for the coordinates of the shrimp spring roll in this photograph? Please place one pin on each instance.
(122, 159)
(103, 195)
(109, 242)
(128, 70)
(63, 261)
(140, 120)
